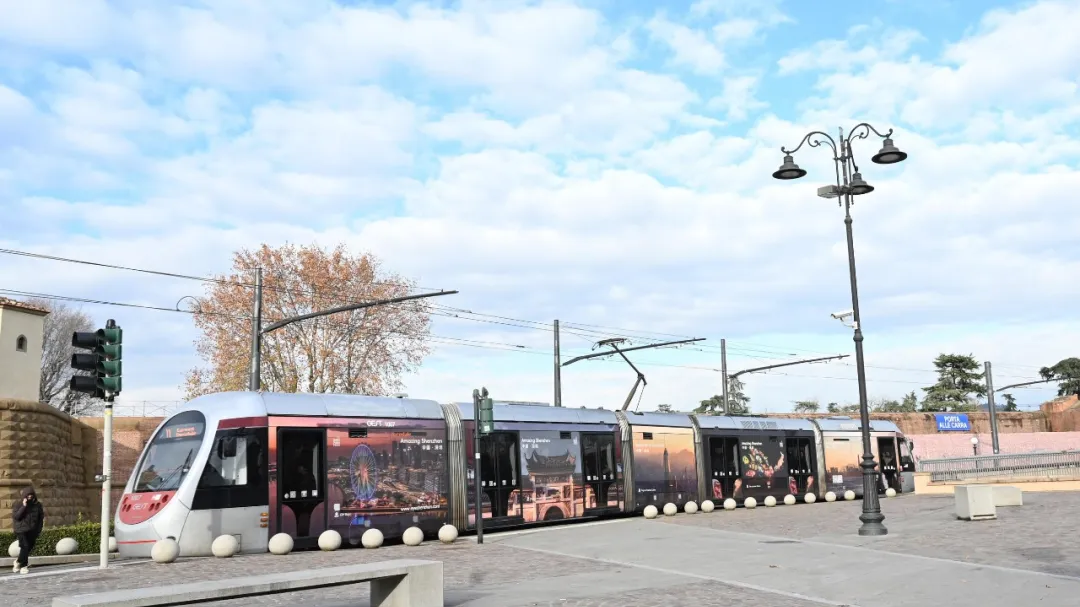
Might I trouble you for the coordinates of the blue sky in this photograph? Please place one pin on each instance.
(604, 163)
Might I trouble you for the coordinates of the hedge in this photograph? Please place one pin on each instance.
(86, 533)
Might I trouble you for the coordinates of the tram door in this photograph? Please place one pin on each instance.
(888, 466)
(724, 464)
(500, 475)
(598, 468)
(799, 455)
(301, 487)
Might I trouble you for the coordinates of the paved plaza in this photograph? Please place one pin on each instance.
(787, 556)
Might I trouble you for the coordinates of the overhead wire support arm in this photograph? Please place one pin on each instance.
(788, 364)
(645, 347)
(613, 343)
(1038, 381)
(356, 306)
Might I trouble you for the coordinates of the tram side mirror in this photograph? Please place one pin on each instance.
(226, 447)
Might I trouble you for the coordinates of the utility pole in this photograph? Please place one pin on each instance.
(558, 368)
(993, 408)
(723, 371)
(255, 379)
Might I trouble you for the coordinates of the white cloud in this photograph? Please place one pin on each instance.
(691, 48)
(526, 156)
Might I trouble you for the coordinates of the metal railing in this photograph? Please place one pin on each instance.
(1049, 463)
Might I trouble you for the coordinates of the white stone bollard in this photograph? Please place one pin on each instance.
(670, 509)
(413, 536)
(789, 500)
(750, 502)
(224, 546)
(66, 546)
(890, 492)
(112, 544)
(448, 534)
(651, 511)
(372, 538)
(849, 495)
(13, 549)
(730, 504)
(707, 506)
(329, 540)
(281, 544)
(165, 551)
(810, 498)
(770, 501)
(830, 497)
(690, 507)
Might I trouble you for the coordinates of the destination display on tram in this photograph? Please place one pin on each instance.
(182, 431)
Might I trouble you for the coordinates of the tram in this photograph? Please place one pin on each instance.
(252, 465)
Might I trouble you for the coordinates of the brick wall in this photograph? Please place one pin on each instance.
(130, 435)
(958, 444)
(52, 451)
(925, 423)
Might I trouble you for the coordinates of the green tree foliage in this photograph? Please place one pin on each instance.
(738, 401)
(807, 406)
(1067, 372)
(664, 408)
(832, 408)
(957, 386)
(885, 405)
(1010, 403)
(910, 403)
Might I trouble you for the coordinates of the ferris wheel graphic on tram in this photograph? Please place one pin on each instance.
(364, 472)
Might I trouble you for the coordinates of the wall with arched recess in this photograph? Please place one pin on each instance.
(54, 452)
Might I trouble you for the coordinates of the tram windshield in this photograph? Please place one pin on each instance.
(169, 455)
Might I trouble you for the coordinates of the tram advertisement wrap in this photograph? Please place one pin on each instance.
(665, 467)
(392, 478)
(552, 487)
(762, 463)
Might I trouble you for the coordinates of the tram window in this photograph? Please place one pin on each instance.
(234, 475)
(906, 463)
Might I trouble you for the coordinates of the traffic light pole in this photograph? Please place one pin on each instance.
(106, 483)
(476, 467)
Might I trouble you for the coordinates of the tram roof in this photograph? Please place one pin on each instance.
(316, 405)
(669, 420)
(504, 412)
(728, 422)
(842, 423)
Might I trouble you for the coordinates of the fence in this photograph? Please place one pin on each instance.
(146, 408)
(1002, 465)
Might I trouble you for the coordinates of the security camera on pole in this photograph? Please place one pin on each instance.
(104, 360)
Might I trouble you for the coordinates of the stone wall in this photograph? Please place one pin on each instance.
(925, 423)
(1063, 413)
(958, 444)
(43, 447)
(130, 435)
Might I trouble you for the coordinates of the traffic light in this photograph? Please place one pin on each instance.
(487, 414)
(104, 360)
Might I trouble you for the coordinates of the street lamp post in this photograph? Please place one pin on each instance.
(849, 182)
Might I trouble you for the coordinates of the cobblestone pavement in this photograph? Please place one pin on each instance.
(485, 576)
(1038, 536)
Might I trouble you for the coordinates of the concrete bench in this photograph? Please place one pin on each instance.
(398, 583)
(1005, 495)
(975, 502)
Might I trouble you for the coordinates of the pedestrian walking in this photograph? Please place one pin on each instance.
(29, 518)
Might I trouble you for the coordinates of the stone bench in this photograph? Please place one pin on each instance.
(398, 583)
(1005, 495)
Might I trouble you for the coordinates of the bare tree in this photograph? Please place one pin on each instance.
(56, 351)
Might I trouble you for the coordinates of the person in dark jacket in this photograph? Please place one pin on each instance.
(29, 518)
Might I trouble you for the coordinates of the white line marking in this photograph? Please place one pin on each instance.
(37, 574)
(744, 585)
(934, 559)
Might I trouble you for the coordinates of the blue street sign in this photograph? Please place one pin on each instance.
(952, 422)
